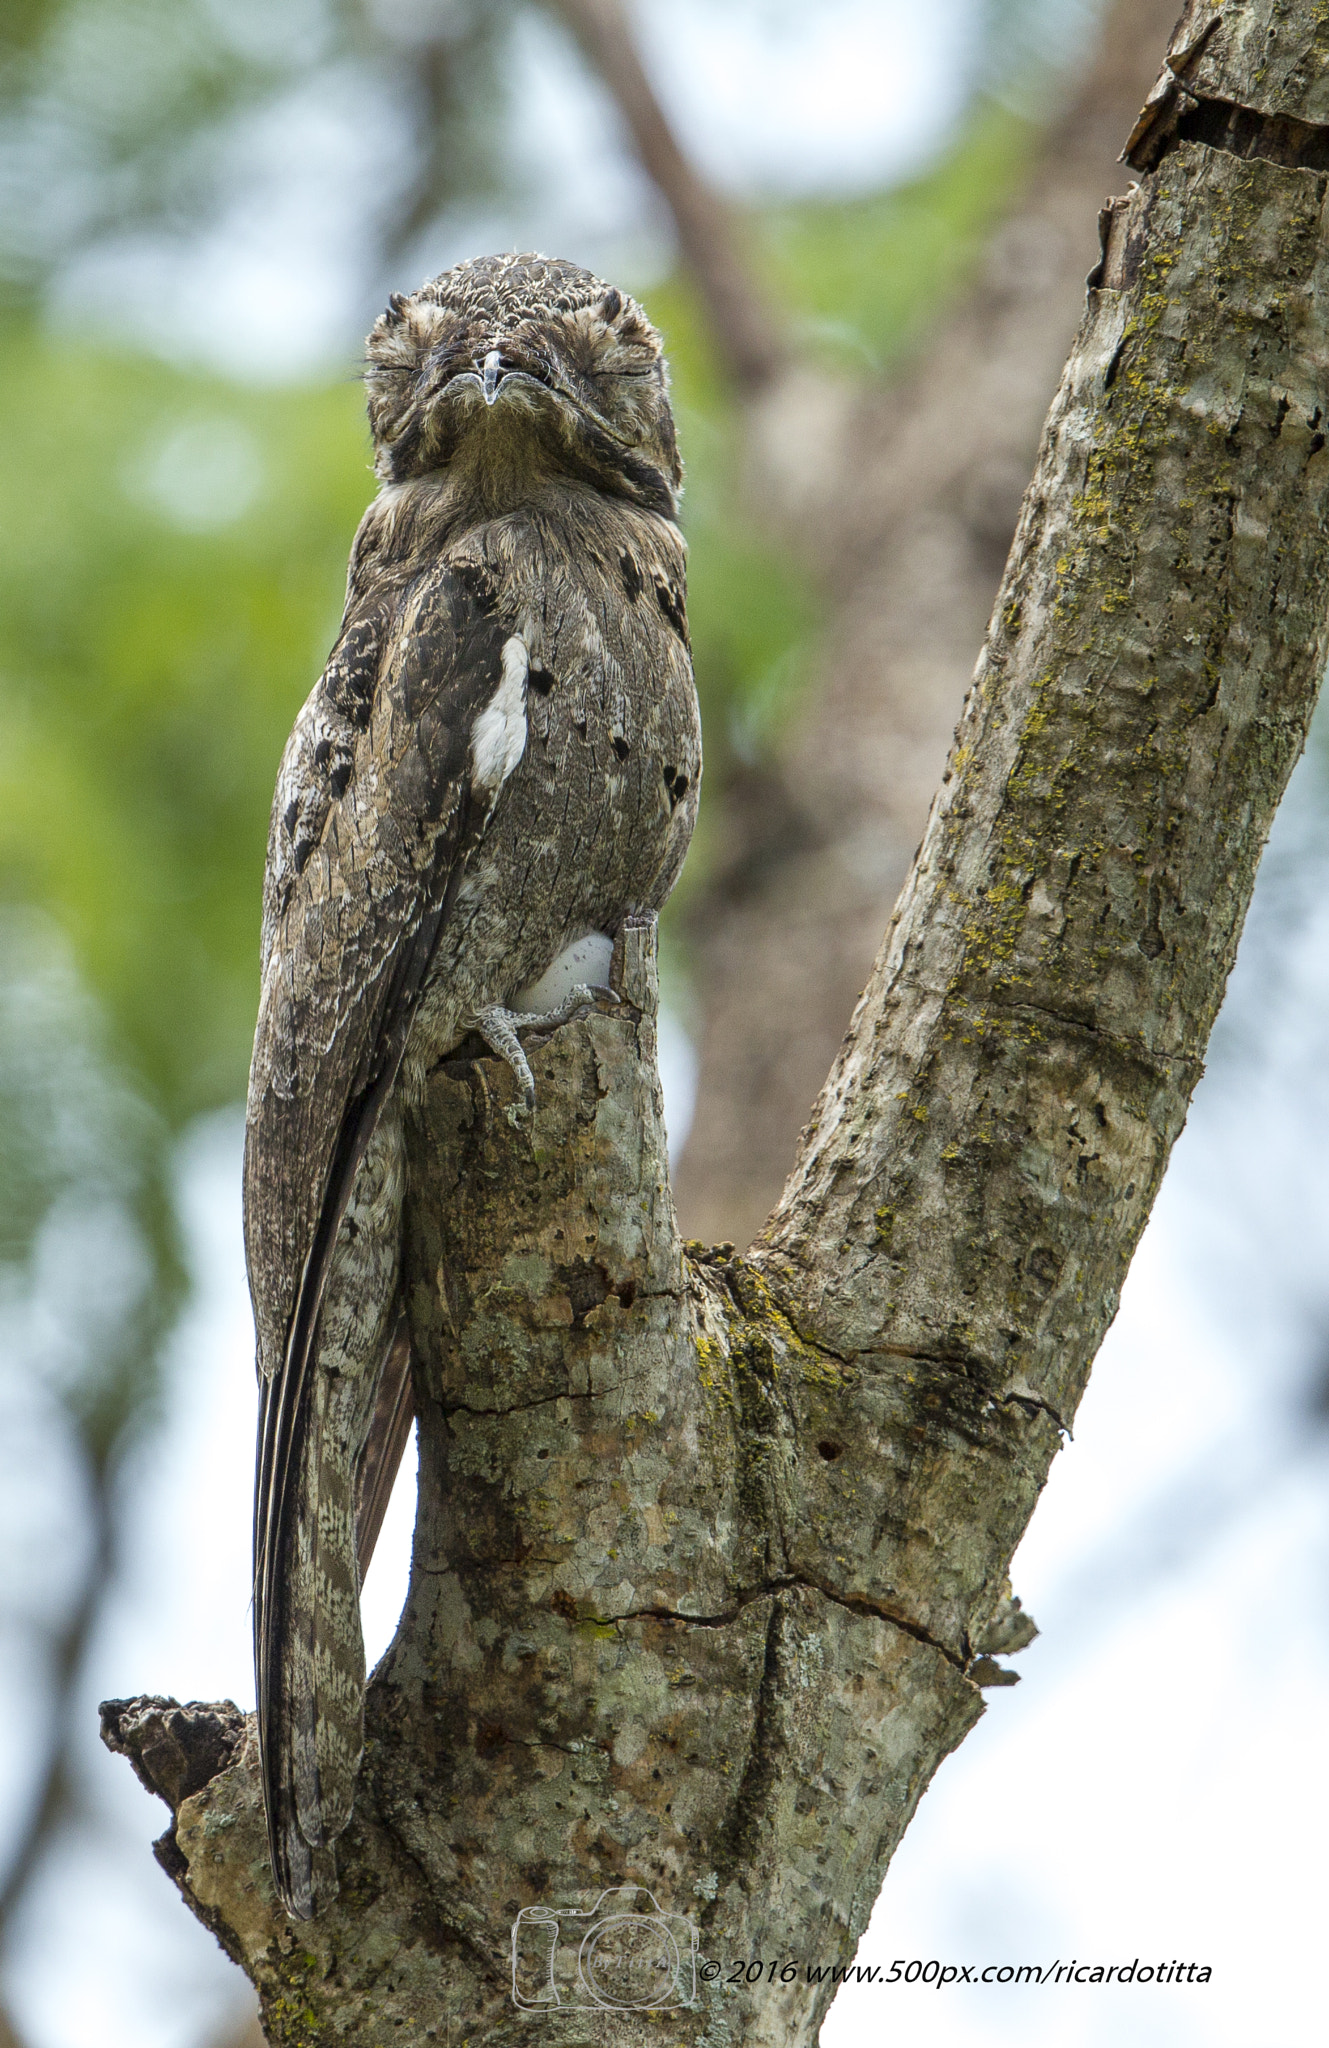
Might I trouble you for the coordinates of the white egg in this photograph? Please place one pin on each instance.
(586, 959)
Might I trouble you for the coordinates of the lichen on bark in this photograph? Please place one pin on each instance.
(712, 1552)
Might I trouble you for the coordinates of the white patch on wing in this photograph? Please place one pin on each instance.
(498, 737)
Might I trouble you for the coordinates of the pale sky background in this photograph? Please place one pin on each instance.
(1157, 1784)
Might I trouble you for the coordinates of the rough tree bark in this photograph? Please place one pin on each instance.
(712, 1555)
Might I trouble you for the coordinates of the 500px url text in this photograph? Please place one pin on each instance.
(783, 1970)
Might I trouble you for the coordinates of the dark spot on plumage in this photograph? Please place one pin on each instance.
(611, 305)
(454, 639)
(290, 815)
(353, 672)
(541, 681)
(302, 850)
(670, 600)
(621, 746)
(677, 785)
(406, 446)
(649, 485)
(632, 577)
(475, 584)
(335, 760)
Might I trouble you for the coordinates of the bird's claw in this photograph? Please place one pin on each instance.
(585, 996)
(501, 1031)
(498, 1028)
(520, 1113)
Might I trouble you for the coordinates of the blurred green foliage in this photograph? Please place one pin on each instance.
(149, 673)
(120, 118)
(863, 278)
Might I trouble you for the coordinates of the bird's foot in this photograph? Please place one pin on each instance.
(585, 996)
(501, 1031)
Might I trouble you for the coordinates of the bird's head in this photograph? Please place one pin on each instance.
(506, 362)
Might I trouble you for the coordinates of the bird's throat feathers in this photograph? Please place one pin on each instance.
(512, 458)
(504, 463)
(410, 524)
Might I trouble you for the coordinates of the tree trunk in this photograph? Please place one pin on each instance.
(711, 1559)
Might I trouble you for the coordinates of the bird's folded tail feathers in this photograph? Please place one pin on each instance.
(389, 1433)
(312, 1675)
(315, 1421)
(306, 1878)
(329, 1665)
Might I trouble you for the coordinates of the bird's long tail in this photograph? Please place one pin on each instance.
(385, 1446)
(311, 1657)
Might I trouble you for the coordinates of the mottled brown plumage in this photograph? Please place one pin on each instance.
(502, 757)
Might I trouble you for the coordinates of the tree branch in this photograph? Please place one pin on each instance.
(712, 1552)
(53, 1796)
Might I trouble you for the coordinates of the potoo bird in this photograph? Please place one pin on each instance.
(498, 766)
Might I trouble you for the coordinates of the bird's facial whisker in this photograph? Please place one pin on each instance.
(489, 370)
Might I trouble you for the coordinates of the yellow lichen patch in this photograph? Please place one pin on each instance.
(715, 1374)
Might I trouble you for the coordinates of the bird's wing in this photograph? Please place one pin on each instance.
(386, 786)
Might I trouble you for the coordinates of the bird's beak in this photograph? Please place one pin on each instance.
(491, 375)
